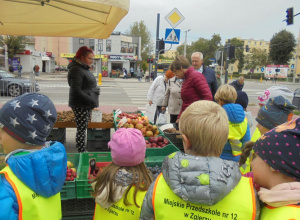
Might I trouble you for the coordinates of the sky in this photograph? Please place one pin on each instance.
(257, 19)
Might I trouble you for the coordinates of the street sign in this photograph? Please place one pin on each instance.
(292, 66)
(172, 36)
(218, 55)
(174, 18)
(212, 59)
(262, 69)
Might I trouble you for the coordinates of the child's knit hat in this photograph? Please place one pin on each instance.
(280, 148)
(28, 118)
(275, 112)
(242, 99)
(128, 147)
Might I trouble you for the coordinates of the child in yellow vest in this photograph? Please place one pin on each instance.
(277, 110)
(121, 186)
(239, 131)
(36, 169)
(276, 168)
(198, 184)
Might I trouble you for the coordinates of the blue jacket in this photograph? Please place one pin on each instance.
(43, 171)
(236, 115)
(211, 79)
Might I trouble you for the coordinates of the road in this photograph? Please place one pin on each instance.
(130, 92)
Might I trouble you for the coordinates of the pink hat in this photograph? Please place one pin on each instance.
(128, 147)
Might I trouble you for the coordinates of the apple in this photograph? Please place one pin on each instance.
(149, 133)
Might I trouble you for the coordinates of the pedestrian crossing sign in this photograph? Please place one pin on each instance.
(172, 36)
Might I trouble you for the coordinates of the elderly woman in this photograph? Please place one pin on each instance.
(156, 94)
(84, 93)
(172, 97)
(194, 86)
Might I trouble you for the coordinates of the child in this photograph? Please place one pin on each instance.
(276, 169)
(198, 184)
(278, 110)
(121, 186)
(36, 170)
(239, 132)
(242, 99)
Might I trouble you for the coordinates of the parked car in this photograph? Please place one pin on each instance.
(13, 86)
(60, 68)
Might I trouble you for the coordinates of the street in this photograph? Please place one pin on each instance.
(130, 92)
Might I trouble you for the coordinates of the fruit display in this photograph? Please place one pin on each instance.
(68, 116)
(138, 121)
(171, 131)
(156, 142)
(71, 172)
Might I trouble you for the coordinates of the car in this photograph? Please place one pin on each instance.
(14, 87)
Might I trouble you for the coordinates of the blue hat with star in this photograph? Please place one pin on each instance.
(28, 118)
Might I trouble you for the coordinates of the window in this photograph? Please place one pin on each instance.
(81, 41)
(92, 44)
(231, 68)
(100, 45)
(124, 47)
(108, 45)
(254, 42)
(260, 43)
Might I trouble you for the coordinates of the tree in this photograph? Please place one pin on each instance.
(139, 29)
(15, 44)
(257, 58)
(282, 45)
(239, 53)
(205, 46)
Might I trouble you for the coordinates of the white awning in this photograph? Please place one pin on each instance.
(63, 18)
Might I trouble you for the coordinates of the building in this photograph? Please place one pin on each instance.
(170, 54)
(117, 52)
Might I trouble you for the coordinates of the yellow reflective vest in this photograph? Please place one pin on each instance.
(119, 210)
(236, 133)
(32, 205)
(246, 168)
(240, 203)
(290, 212)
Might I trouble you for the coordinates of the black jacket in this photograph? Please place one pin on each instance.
(211, 79)
(84, 92)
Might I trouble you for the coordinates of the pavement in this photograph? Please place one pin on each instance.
(71, 132)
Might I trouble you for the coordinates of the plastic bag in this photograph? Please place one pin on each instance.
(150, 112)
(162, 119)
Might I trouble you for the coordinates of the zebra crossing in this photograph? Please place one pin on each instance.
(137, 93)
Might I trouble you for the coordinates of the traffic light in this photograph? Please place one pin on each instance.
(151, 61)
(161, 46)
(231, 51)
(290, 16)
(148, 60)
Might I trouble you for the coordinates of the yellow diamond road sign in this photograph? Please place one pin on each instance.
(174, 18)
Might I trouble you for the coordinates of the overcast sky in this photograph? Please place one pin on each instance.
(257, 19)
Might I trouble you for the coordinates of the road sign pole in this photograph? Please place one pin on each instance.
(157, 44)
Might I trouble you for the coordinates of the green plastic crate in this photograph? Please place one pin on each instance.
(98, 134)
(83, 188)
(77, 207)
(69, 189)
(57, 134)
(176, 139)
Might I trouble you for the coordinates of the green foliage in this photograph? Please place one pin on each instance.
(144, 66)
(205, 46)
(239, 53)
(139, 29)
(257, 58)
(282, 45)
(15, 44)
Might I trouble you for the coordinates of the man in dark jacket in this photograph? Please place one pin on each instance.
(210, 75)
(238, 84)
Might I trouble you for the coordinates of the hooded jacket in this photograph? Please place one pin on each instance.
(194, 88)
(43, 171)
(236, 115)
(184, 183)
(84, 92)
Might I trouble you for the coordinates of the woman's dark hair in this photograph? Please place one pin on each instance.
(83, 51)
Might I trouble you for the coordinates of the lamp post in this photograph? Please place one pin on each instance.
(184, 51)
